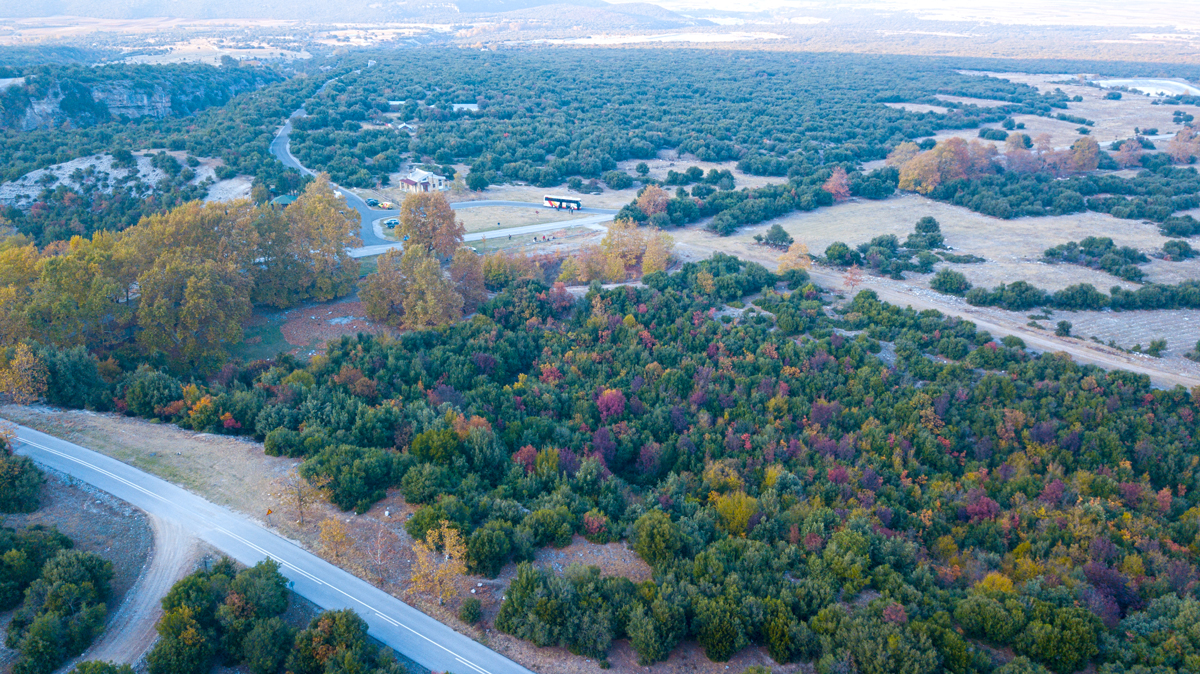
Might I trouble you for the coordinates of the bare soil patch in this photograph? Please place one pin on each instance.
(305, 329)
(97, 522)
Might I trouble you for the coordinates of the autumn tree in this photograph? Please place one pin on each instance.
(1184, 145)
(950, 160)
(657, 252)
(1085, 155)
(380, 551)
(430, 299)
(439, 562)
(428, 221)
(320, 229)
(1130, 154)
(23, 379)
(796, 257)
(1017, 155)
(382, 291)
(853, 278)
(653, 199)
(466, 273)
(838, 185)
(192, 310)
(299, 493)
(902, 154)
(335, 537)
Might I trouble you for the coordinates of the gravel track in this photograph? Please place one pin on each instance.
(131, 632)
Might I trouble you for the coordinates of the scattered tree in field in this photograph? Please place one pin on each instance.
(439, 562)
(950, 282)
(653, 199)
(428, 221)
(853, 278)
(1130, 154)
(776, 237)
(796, 257)
(335, 537)
(658, 253)
(838, 185)
(1184, 145)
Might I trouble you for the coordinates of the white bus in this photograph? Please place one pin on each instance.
(562, 202)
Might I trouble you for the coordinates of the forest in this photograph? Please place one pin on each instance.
(544, 116)
(877, 487)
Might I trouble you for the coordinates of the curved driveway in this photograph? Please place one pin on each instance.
(280, 148)
(398, 625)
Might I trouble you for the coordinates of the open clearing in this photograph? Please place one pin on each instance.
(1013, 249)
(1113, 120)
(500, 217)
(100, 169)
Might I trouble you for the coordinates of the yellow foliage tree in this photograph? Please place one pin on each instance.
(658, 253)
(735, 510)
(427, 219)
(796, 257)
(439, 562)
(23, 379)
(335, 536)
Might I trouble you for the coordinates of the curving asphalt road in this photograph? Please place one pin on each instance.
(280, 147)
(391, 621)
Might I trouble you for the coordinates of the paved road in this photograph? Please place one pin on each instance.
(591, 223)
(391, 621)
(368, 216)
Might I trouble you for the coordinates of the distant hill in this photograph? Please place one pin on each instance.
(636, 14)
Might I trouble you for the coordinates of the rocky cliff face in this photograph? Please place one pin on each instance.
(67, 101)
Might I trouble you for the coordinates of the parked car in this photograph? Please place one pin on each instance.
(391, 223)
(372, 202)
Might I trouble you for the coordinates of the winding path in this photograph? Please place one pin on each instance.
(398, 625)
(281, 148)
(131, 631)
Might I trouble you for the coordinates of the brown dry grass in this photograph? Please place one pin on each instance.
(496, 218)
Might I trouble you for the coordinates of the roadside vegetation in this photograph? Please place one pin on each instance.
(976, 497)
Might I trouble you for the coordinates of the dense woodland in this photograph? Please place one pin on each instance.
(869, 488)
(770, 468)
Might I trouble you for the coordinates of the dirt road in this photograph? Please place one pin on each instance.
(1162, 374)
(131, 632)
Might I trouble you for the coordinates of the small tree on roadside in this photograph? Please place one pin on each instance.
(300, 493)
(1063, 329)
(335, 536)
(853, 278)
(439, 562)
(380, 551)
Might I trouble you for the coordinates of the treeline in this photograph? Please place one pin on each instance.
(1102, 253)
(235, 618)
(732, 209)
(1021, 295)
(176, 288)
(545, 116)
(769, 466)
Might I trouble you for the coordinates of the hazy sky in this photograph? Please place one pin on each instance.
(1166, 13)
